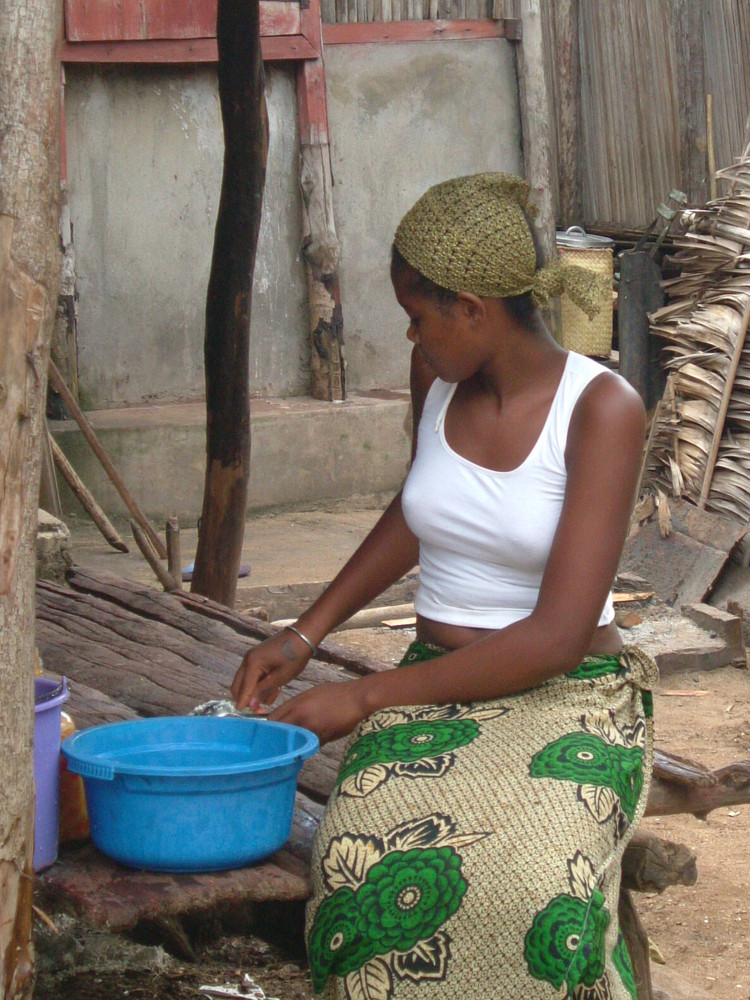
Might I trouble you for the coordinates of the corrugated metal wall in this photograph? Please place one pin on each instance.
(646, 67)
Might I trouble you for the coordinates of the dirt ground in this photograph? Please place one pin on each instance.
(700, 932)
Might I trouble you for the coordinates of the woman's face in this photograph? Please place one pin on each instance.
(443, 334)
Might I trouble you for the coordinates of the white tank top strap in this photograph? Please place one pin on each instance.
(449, 394)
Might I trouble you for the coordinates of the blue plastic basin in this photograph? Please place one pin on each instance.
(190, 793)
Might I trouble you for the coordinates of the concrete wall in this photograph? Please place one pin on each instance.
(145, 152)
(403, 117)
(144, 171)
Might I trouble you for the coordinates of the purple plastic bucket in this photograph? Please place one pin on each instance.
(48, 698)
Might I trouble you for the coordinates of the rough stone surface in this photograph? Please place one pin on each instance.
(53, 548)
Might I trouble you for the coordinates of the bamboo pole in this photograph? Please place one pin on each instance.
(85, 497)
(88, 432)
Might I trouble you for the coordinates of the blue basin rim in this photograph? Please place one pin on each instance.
(88, 752)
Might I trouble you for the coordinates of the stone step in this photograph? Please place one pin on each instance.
(302, 451)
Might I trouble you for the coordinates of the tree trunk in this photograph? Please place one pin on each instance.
(29, 277)
(227, 337)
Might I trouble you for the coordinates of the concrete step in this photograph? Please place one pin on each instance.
(302, 451)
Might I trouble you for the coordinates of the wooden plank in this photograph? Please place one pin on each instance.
(197, 50)
(410, 31)
(106, 894)
(134, 20)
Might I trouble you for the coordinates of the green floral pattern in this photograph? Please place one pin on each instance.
(588, 760)
(410, 894)
(336, 944)
(405, 898)
(407, 742)
(565, 943)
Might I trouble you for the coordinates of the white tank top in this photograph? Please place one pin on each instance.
(485, 536)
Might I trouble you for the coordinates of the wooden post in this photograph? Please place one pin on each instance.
(569, 134)
(227, 336)
(174, 555)
(535, 113)
(687, 20)
(320, 244)
(640, 293)
(30, 44)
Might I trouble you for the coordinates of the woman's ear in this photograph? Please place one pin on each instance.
(474, 307)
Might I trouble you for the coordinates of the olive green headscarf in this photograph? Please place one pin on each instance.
(470, 234)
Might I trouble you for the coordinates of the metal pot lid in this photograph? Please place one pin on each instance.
(578, 239)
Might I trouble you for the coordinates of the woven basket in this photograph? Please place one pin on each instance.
(578, 332)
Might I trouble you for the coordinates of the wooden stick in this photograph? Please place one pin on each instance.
(711, 148)
(49, 494)
(85, 497)
(151, 556)
(721, 415)
(88, 432)
(174, 558)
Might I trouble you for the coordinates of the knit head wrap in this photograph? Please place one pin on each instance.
(470, 234)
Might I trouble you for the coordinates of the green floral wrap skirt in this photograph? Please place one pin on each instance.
(473, 850)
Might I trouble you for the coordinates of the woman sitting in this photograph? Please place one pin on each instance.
(471, 847)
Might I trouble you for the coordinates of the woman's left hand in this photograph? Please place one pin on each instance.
(328, 710)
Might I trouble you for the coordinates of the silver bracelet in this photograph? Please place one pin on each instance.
(293, 628)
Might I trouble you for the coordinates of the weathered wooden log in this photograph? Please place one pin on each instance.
(650, 864)
(144, 600)
(106, 462)
(730, 786)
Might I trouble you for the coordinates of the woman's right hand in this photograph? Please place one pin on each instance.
(267, 667)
